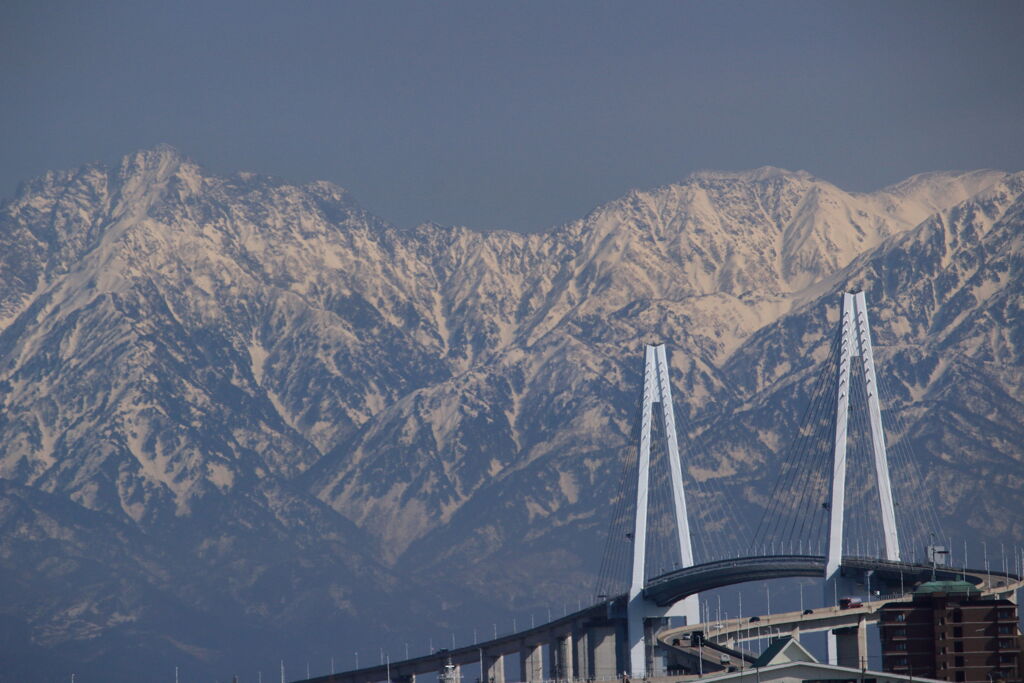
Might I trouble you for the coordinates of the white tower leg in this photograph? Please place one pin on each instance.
(848, 348)
(892, 543)
(656, 390)
(635, 610)
(691, 604)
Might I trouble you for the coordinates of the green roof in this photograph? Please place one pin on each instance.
(946, 587)
(784, 649)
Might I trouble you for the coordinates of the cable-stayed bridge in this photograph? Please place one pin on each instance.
(845, 506)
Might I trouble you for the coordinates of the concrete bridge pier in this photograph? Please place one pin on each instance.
(852, 645)
(560, 661)
(837, 586)
(656, 657)
(581, 662)
(493, 668)
(531, 662)
(601, 651)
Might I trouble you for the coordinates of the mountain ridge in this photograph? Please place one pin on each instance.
(215, 359)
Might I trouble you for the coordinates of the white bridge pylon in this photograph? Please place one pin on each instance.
(657, 390)
(856, 342)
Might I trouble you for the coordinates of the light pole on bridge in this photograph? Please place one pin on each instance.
(984, 552)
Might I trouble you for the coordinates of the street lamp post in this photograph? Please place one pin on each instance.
(697, 639)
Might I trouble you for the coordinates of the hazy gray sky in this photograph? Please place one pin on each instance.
(519, 114)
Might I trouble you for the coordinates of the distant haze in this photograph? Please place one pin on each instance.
(516, 115)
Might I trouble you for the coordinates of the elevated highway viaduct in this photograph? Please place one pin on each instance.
(848, 624)
(592, 643)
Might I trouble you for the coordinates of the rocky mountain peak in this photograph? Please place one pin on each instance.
(754, 175)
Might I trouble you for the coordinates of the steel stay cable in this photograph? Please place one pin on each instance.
(800, 445)
(805, 456)
(825, 442)
(612, 552)
(699, 498)
(816, 442)
(853, 522)
(918, 512)
(769, 521)
(844, 461)
(694, 448)
(866, 438)
(861, 458)
(922, 505)
(621, 551)
(918, 481)
(619, 532)
(697, 530)
(656, 550)
(823, 474)
(816, 479)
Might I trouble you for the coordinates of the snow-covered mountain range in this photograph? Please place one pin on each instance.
(241, 414)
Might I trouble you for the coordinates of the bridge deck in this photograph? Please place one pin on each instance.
(824, 618)
(672, 587)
